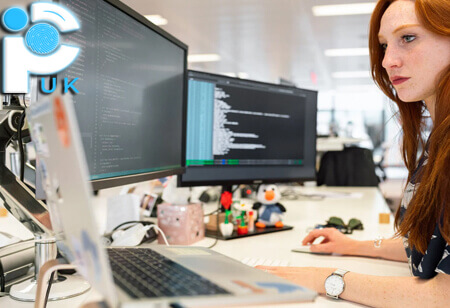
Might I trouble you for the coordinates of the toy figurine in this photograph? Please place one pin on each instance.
(226, 228)
(244, 209)
(270, 212)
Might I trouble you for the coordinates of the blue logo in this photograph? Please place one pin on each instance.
(40, 51)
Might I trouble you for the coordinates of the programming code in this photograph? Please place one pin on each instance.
(241, 125)
(129, 105)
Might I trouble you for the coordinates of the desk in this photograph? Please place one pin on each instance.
(302, 214)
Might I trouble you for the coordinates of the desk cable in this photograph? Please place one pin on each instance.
(21, 149)
(160, 231)
(2, 280)
(47, 293)
(217, 226)
(148, 227)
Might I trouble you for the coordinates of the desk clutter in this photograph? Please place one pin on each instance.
(182, 221)
(242, 219)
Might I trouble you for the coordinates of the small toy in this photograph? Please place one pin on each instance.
(270, 212)
(251, 221)
(243, 208)
(226, 199)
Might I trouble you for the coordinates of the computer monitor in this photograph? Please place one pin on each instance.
(242, 131)
(132, 93)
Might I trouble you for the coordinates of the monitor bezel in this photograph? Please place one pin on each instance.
(141, 177)
(185, 183)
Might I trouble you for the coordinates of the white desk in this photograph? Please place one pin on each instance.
(302, 214)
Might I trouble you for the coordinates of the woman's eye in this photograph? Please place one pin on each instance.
(383, 46)
(408, 38)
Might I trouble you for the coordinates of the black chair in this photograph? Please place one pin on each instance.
(351, 167)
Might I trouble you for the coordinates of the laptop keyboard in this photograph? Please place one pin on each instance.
(142, 272)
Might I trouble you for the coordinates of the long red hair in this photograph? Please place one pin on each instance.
(431, 201)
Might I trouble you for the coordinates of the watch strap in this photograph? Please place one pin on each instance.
(340, 272)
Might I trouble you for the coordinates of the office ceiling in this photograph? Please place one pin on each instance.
(267, 39)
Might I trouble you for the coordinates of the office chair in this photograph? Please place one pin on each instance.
(353, 166)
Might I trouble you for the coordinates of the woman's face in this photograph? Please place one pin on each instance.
(414, 57)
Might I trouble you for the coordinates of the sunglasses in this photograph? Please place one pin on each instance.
(338, 223)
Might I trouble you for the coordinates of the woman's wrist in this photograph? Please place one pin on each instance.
(320, 274)
(390, 249)
(360, 248)
(369, 248)
(353, 248)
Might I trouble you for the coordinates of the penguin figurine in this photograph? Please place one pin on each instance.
(270, 212)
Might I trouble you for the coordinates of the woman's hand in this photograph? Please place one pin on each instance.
(309, 277)
(334, 242)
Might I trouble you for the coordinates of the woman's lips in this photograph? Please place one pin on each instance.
(399, 80)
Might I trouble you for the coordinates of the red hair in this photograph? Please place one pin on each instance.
(430, 203)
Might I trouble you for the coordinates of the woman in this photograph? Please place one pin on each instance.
(409, 44)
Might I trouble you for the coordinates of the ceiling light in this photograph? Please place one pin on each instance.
(343, 9)
(351, 74)
(157, 19)
(211, 57)
(343, 52)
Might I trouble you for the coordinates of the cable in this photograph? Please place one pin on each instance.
(2, 278)
(48, 289)
(152, 226)
(132, 222)
(219, 208)
(289, 194)
(217, 225)
(213, 212)
(162, 233)
(21, 150)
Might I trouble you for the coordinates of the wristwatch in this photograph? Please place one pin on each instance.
(334, 284)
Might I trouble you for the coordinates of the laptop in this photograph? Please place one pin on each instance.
(133, 277)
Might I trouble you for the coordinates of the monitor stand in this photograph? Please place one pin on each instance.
(63, 287)
(257, 231)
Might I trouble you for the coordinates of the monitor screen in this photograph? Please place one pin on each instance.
(241, 131)
(132, 80)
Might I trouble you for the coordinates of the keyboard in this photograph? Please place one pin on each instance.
(262, 261)
(144, 273)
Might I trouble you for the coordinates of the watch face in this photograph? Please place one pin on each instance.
(334, 285)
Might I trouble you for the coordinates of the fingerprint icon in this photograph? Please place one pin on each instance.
(42, 38)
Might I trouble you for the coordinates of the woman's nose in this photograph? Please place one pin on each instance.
(391, 58)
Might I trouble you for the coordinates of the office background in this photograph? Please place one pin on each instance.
(290, 42)
(284, 42)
